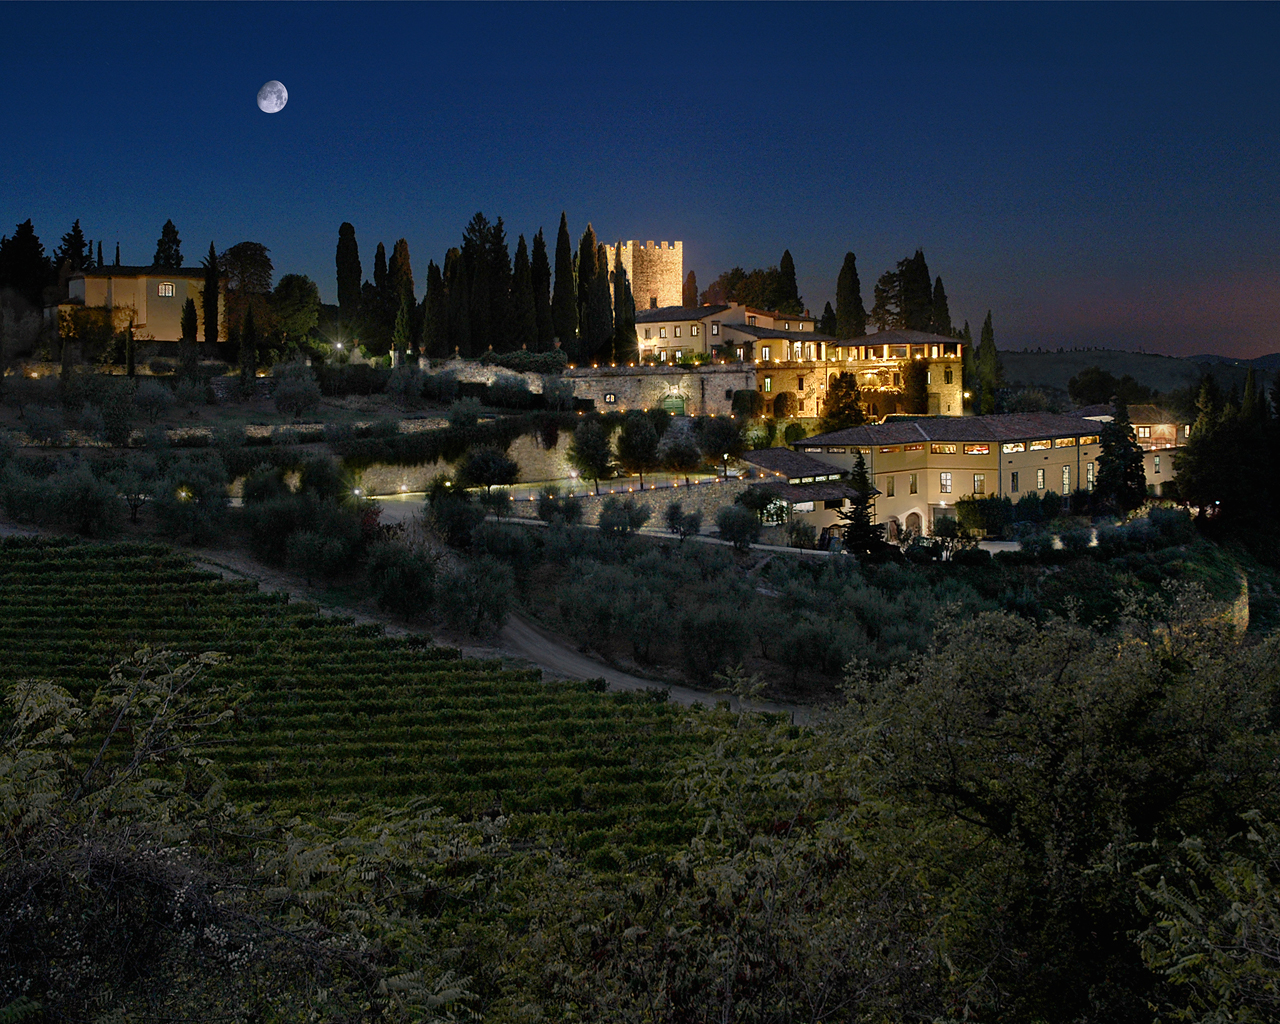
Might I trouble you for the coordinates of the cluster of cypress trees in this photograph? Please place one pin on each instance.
(479, 299)
(907, 298)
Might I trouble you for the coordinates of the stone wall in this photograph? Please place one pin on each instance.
(707, 498)
(471, 371)
(881, 395)
(656, 272)
(704, 390)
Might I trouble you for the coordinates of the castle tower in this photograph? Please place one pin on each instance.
(656, 272)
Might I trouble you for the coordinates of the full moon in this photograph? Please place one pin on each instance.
(272, 97)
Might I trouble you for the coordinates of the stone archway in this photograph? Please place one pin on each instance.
(913, 523)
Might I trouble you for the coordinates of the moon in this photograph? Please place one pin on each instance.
(272, 97)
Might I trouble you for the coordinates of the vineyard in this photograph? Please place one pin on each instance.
(341, 716)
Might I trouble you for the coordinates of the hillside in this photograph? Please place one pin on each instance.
(1163, 373)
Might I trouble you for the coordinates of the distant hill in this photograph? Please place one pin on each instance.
(1270, 363)
(1163, 373)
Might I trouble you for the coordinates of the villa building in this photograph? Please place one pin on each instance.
(151, 297)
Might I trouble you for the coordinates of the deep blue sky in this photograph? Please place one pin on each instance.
(1095, 174)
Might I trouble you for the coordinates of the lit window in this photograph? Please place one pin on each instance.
(715, 326)
(677, 330)
(1142, 431)
(1065, 442)
(648, 333)
(662, 332)
(679, 353)
(165, 289)
(1039, 479)
(946, 376)
(1066, 479)
(799, 327)
(693, 330)
(1157, 458)
(1013, 446)
(913, 483)
(741, 353)
(979, 483)
(610, 398)
(1092, 439)
(897, 380)
(935, 352)
(928, 376)
(751, 321)
(943, 449)
(888, 487)
(1037, 445)
(977, 449)
(787, 326)
(944, 483)
(810, 352)
(1013, 482)
(1088, 471)
(765, 353)
(768, 384)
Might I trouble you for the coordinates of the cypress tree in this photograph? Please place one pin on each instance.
(626, 345)
(100, 263)
(209, 297)
(851, 315)
(1121, 480)
(587, 266)
(525, 317)
(788, 293)
(827, 325)
(941, 311)
(117, 254)
(969, 362)
(458, 292)
(74, 250)
(599, 309)
(564, 299)
(540, 271)
(989, 369)
(188, 352)
(435, 320)
(689, 296)
(347, 260)
(129, 368)
(88, 256)
(402, 332)
(380, 269)
(476, 241)
(168, 247)
(248, 351)
(917, 293)
(502, 311)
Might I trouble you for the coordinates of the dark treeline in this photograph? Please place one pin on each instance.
(479, 298)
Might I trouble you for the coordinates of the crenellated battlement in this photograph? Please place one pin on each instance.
(655, 270)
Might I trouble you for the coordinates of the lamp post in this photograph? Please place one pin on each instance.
(725, 458)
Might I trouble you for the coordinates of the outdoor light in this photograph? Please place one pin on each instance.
(356, 492)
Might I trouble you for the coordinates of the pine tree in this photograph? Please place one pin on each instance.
(861, 536)
(626, 345)
(168, 248)
(540, 271)
(476, 242)
(248, 351)
(788, 294)
(74, 252)
(564, 299)
(24, 267)
(990, 372)
(941, 311)
(435, 319)
(525, 316)
(827, 325)
(209, 297)
(689, 296)
(188, 350)
(851, 315)
(1121, 480)
(347, 260)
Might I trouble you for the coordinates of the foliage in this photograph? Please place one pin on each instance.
(904, 296)
(523, 361)
(405, 386)
(486, 466)
(154, 399)
(683, 524)
(794, 432)
(347, 260)
(843, 407)
(509, 390)
(352, 379)
(1096, 386)
(295, 310)
(590, 452)
(553, 506)
(450, 513)
(862, 536)
(316, 555)
(464, 414)
(401, 578)
(915, 391)
(71, 497)
(748, 403)
(620, 517)
(638, 444)
(480, 595)
(718, 436)
(297, 390)
(191, 499)
(738, 525)
(1121, 481)
(168, 248)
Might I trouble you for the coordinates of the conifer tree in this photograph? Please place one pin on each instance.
(689, 296)
(827, 325)
(599, 309)
(248, 350)
(402, 332)
(861, 536)
(477, 240)
(587, 266)
(24, 266)
(626, 345)
(347, 260)
(564, 299)
(990, 372)
(941, 311)
(188, 350)
(915, 390)
(540, 273)
(851, 315)
(1121, 480)
(969, 362)
(168, 248)
(435, 319)
(917, 294)
(117, 254)
(74, 251)
(843, 406)
(458, 292)
(88, 256)
(100, 263)
(525, 316)
(400, 275)
(209, 297)
(502, 312)
(788, 295)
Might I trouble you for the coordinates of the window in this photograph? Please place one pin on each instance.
(913, 447)
(899, 352)
(768, 384)
(1066, 479)
(913, 483)
(679, 354)
(1065, 442)
(693, 330)
(977, 449)
(832, 451)
(1092, 439)
(889, 449)
(928, 376)
(897, 380)
(979, 483)
(751, 321)
(765, 353)
(741, 353)
(677, 330)
(1088, 475)
(934, 352)
(810, 354)
(787, 326)
(1013, 446)
(610, 398)
(648, 333)
(662, 332)
(799, 383)
(662, 354)
(943, 449)
(944, 483)
(1039, 479)
(888, 487)
(1186, 430)
(715, 326)
(165, 289)
(802, 405)
(799, 327)
(1157, 466)
(1013, 481)
(1142, 431)
(946, 377)
(1037, 445)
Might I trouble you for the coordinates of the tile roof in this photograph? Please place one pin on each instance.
(784, 460)
(686, 313)
(900, 338)
(110, 271)
(769, 332)
(779, 316)
(1020, 426)
(809, 492)
(1141, 413)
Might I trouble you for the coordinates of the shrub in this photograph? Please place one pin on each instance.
(154, 399)
(748, 403)
(314, 554)
(683, 524)
(621, 517)
(801, 534)
(352, 379)
(513, 545)
(739, 526)
(338, 433)
(464, 414)
(784, 405)
(557, 393)
(70, 497)
(189, 393)
(264, 483)
(452, 516)
(191, 499)
(400, 579)
(480, 594)
(1051, 505)
(297, 390)
(510, 391)
(321, 476)
(1076, 542)
(556, 507)
(524, 361)
(794, 432)
(440, 387)
(712, 637)
(44, 424)
(405, 386)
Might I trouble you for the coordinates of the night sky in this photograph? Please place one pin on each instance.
(1094, 174)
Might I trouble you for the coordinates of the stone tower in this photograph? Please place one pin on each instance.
(656, 272)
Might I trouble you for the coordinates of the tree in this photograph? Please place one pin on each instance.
(738, 525)
(129, 367)
(680, 454)
(168, 248)
(683, 524)
(402, 333)
(295, 308)
(851, 315)
(990, 371)
(941, 311)
(435, 318)
(915, 387)
(626, 343)
(347, 260)
(501, 324)
(400, 276)
(904, 296)
(689, 294)
(24, 266)
(401, 578)
(1121, 480)
(488, 467)
(209, 296)
(719, 436)
(828, 324)
(249, 342)
(117, 263)
(787, 297)
(458, 293)
(843, 407)
(638, 444)
(1096, 386)
(296, 389)
(188, 348)
(590, 453)
(247, 270)
(540, 273)
(74, 253)
(564, 299)
(525, 313)
(621, 517)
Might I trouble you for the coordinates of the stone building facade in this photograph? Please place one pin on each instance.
(682, 390)
(656, 272)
